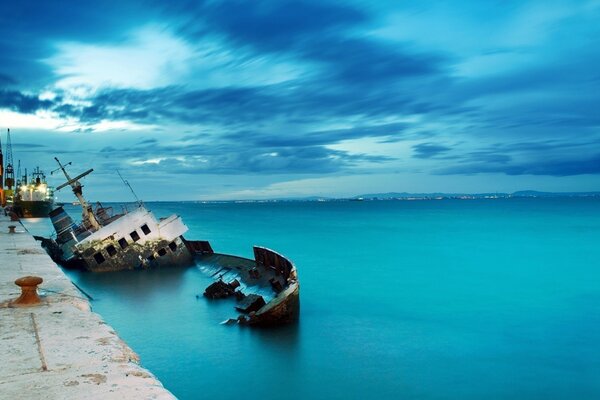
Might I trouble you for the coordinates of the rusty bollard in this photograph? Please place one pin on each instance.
(29, 296)
(11, 228)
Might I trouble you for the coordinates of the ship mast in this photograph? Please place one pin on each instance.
(38, 176)
(87, 212)
(19, 178)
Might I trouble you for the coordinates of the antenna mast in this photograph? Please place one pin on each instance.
(137, 200)
(38, 176)
(19, 178)
(87, 211)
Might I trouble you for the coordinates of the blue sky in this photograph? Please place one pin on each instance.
(258, 99)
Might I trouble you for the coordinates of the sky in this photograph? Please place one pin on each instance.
(199, 100)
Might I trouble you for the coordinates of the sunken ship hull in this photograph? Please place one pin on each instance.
(105, 241)
(270, 274)
(284, 309)
(127, 241)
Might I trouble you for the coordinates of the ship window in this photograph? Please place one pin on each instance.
(162, 252)
(151, 257)
(145, 229)
(172, 246)
(134, 235)
(99, 258)
(110, 249)
(123, 243)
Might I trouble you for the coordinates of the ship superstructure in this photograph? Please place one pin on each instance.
(104, 241)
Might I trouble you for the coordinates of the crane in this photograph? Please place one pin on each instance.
(9, 179)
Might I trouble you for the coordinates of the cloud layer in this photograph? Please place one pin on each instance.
(288, 90)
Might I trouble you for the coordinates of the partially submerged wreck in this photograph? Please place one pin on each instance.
(105, 241)
(266, 288)
(272, 276)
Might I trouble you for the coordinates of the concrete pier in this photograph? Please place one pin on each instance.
(59, 349)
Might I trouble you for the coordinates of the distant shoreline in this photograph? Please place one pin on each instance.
(402, 198)
(394, 197)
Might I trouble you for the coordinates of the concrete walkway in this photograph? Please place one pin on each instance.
(60, 349)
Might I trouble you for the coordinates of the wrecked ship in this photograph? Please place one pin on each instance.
(107, 241)
(266, 288)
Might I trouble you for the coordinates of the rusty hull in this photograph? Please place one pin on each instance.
(268, 272)
(283, 309)
(153, 253)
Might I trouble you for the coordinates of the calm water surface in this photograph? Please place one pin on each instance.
(447, 299)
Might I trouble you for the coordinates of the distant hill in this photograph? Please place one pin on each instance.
(406, 195)
(535, 193)
(418, 196)
(396, 195)
(521, 193)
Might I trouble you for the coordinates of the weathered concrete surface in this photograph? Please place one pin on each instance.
(59, 349)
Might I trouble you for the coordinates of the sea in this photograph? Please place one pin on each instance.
(436, 299)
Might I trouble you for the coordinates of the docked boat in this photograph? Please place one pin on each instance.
(33, 198)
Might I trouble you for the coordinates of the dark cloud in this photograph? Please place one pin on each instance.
(544, 146)
(549, 93)
(429, 150)
(285, 139)
(349, 75)
(192, 138)
(23, 103)
(551, 157)
(365, 62)
(28, 146)
(71, 18)
(305, 160)
(6, 80)
(231, 106)
(556, 167)
(148, 141)
(275, 25)
(234, 156)
(30, 29)
(487, 157)
(312, 32)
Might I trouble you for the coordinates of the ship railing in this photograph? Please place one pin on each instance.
(275, 261)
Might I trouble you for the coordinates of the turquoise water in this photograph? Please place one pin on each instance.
(449, 299)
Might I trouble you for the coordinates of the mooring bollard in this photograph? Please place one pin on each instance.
(11, 229)
(29, 294)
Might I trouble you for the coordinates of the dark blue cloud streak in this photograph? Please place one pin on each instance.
(351, 77)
